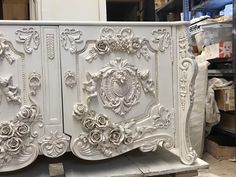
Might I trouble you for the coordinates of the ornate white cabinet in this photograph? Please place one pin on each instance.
(99, 90)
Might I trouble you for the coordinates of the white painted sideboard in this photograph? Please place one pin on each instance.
(96, 89)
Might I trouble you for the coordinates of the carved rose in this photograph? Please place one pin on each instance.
(79, 110)
(22, 130)
(128, 140)
(95, 137)
(88, 123)
(6, 130)
(13, 145)
(135, 45)
(102, 47)
(101, 121)
(116, 136)
(27, 113)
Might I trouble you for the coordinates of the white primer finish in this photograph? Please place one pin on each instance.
(97, 89)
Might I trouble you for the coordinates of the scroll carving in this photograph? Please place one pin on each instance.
(103, 137)
(29, 37)
(34, 82)
(123, 40)
(54, 144)
(162, 38)
(17, 146)
(10, 91)
(120, 85)
(70, 79)
(70, 37)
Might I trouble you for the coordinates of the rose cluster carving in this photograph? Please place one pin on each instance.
(119, 85)
(123, 40)
(16, 135)
(105, 137)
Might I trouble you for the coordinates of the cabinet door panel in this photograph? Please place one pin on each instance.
(112, 96)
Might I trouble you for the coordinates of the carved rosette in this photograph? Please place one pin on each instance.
(29, 37)
(17, 146)
(123, 40)
(70, 79)
(120, 85)
(34, 82)
(10, 91)
(162, 38)
(70, 38)
(105, 138)
(54, 144)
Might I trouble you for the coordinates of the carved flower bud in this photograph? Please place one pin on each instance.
(79, 110)
(13, 145)
(6, 130)
(116, 136)
(95, 137)
(101, 121)
(128, 140)
(22, 130)
(27, 113)
(102, 47)
(88, 123)
(135, 45)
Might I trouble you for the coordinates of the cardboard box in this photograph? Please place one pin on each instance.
(225, 99)
(221, 50)
(220, 147)
(15, 9)
(228, 122)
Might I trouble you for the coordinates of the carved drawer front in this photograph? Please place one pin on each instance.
(120, 88)
(30, 101)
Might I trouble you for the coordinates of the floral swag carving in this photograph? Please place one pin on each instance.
(123, 40)
(119, 85)
(103, 137)
(17, 136)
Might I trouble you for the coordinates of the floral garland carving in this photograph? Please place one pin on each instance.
(120, 85)
(102, 136)
(17, 136)
(122, 40)
(29, 37)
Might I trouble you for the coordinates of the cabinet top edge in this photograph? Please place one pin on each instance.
(71, 23)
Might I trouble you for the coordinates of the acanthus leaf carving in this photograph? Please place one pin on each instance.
(17, 145)
(162, 38)
(29, 37)
(34, 82)
(121, 40)
(54, 144)
(70, 37)
(10, 91)
(119, 85)
(100, 136)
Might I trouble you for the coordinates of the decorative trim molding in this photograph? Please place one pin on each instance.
(123, 40)
(101, 137)
(34, 83)
(120, 85)
(162, 38)
(17, 138)
(50, 46)
(54, 144)
(70, 37)
(10, 91)
(70, 79)
(29, 37)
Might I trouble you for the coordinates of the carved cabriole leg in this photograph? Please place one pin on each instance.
(186, 70)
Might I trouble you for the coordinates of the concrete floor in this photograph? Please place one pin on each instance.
(223, 168)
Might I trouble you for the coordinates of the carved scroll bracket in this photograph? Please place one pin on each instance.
(34, 82)
(29, 37)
